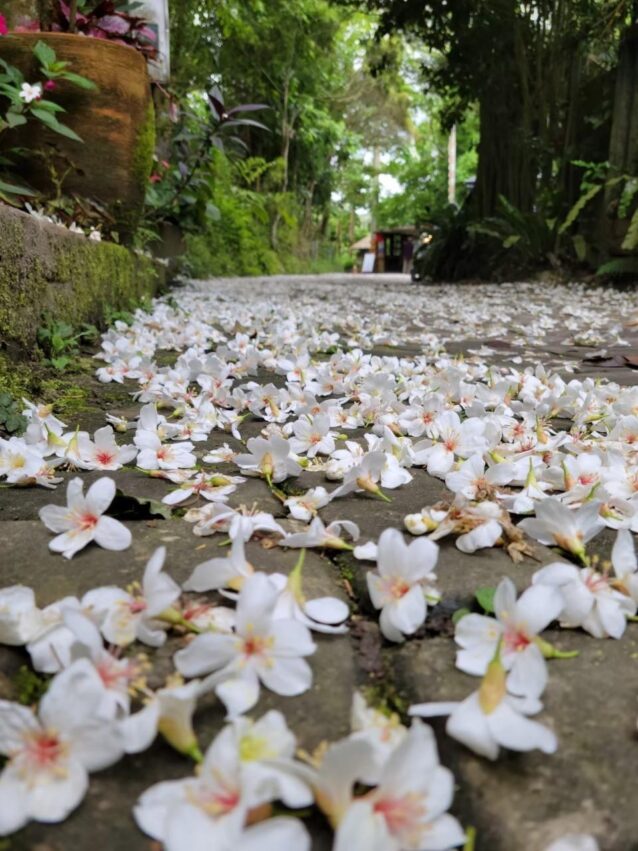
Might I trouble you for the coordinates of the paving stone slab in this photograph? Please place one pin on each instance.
(525, 801)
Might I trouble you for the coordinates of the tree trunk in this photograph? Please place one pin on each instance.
(623, 144)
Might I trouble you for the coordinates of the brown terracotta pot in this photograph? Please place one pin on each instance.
(116, 122)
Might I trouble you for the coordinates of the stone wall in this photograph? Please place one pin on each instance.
(48, 273)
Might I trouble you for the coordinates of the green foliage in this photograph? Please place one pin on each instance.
(620, 267)
(485, 598)
(630, 242)
(459, 614)
(530, 235)
(30, 687)
(59, 341)
(11, 420)
(15, 111)
(239, 241)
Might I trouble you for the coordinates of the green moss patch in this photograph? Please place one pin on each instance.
(47, 272)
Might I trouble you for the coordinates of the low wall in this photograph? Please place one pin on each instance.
(48, 273)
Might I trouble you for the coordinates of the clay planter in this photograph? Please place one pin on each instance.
(116, 123)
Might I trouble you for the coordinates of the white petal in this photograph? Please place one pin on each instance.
(327, 610)
(519, 733)
(55, 518)
(288, 677)
(469, 725)
(205, 653)
(151, 809)
(275, 834)
(112, 535)
(623, 554)
(538, 606)
(100, 495)
(239, 694)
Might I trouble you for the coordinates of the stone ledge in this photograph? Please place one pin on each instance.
(48, 272)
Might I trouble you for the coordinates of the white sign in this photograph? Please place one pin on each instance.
(156, 14)
(368, 262)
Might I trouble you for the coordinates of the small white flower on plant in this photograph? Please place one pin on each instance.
(515, 627)
(29, 93)
(137, 613)
(319, 535)
(51, 754)
(306, 506)
(590, 599)
(403, 583)
(570, 529)
(83, 520)
(262, 650)
(490, 718)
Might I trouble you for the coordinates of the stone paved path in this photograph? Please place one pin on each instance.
(524, 800)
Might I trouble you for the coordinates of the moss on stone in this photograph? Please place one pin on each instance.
(48, 272)
(145, 149)
(29, 686)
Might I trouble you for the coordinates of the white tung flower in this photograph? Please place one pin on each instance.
(515, 627)
(127, 615)
(83, 520)
(490, 718)
(403, 583)
(50, 755)
(408, 809)
(262, 650)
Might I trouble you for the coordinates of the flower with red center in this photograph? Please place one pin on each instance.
(103, 453)
(403, 580)
(515, 628)
(83, 520)
(408, 808)
(140, 613)
(46, 775)
(264, 649)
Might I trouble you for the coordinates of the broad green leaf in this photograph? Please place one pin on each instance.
(44, 54)
(82, 82)
(15, 119)
(580, 246)
(460, 613)
(630, 242)
(15, 189)
(511, 241)
(579, 206)
(51, 121)
(485, 598)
